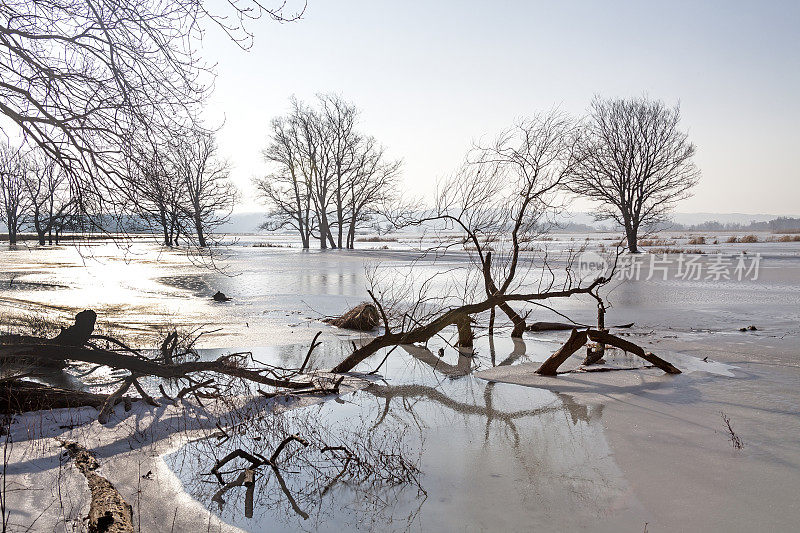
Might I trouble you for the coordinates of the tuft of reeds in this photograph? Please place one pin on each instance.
(736, 441)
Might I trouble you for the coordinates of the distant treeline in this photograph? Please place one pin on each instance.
(777, 225)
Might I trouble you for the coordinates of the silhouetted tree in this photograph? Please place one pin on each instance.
(12, 189)
(204, 177)
(83, 79)
(49, 198)
(634, 161)
(326, 178)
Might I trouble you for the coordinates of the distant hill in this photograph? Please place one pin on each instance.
(243, 223)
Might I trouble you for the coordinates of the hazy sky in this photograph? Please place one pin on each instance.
(431, 77)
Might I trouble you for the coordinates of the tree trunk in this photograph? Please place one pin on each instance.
(465, 336)
(37, 226)
(201, 238)
(631, 233)
(573, 344)
(607, 338)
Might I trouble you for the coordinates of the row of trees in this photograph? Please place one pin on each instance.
(627, 155)
(83, 81)
(35, 195)
(180, 190)
(327, 178)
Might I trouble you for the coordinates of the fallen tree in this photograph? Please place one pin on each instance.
(79, 343)
(108, 510)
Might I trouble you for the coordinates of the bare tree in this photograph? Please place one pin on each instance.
(338, 122)
(326, 178)
(635, 162)
(82, 79)
(159, 192)
(12, 189)
(49, 198)
(500, 198)
(210, 195)
(371, 185)
(288, 188)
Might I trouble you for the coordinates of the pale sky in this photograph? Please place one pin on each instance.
(431, 77)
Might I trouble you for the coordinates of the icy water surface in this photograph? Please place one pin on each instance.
(490, 455)
(502, 454)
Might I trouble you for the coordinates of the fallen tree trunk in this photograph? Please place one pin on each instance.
(424, 332)
(613, 340)
(17, 396)
(576, 340)
(140, 365)
(108, 511)
(550, 326)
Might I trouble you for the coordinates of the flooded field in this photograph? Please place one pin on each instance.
(486, 445)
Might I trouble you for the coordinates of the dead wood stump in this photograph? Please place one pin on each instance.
(465, 335)
(594, 353)
(78, 333)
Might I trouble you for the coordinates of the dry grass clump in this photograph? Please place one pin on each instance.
(363, 317)
(697, 240)
(785, 238)
(376, 238)
(32, 324)
(688, 251)
(747, 239)
(656, 242)
(736, 441)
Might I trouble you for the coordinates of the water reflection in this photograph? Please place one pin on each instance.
(492, 455)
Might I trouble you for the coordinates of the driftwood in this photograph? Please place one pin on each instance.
(143, 366)
(576, 340)
(108, 510)
(18, 396)
(22, 396)
(607, 338)
(219, 296)
(549, 326)
(423, 332)
(363, 317)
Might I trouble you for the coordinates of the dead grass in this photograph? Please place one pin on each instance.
(656, 242)
(688, 251)
(697, 240)
(785, 238)
(736, 441)
(376, 238)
